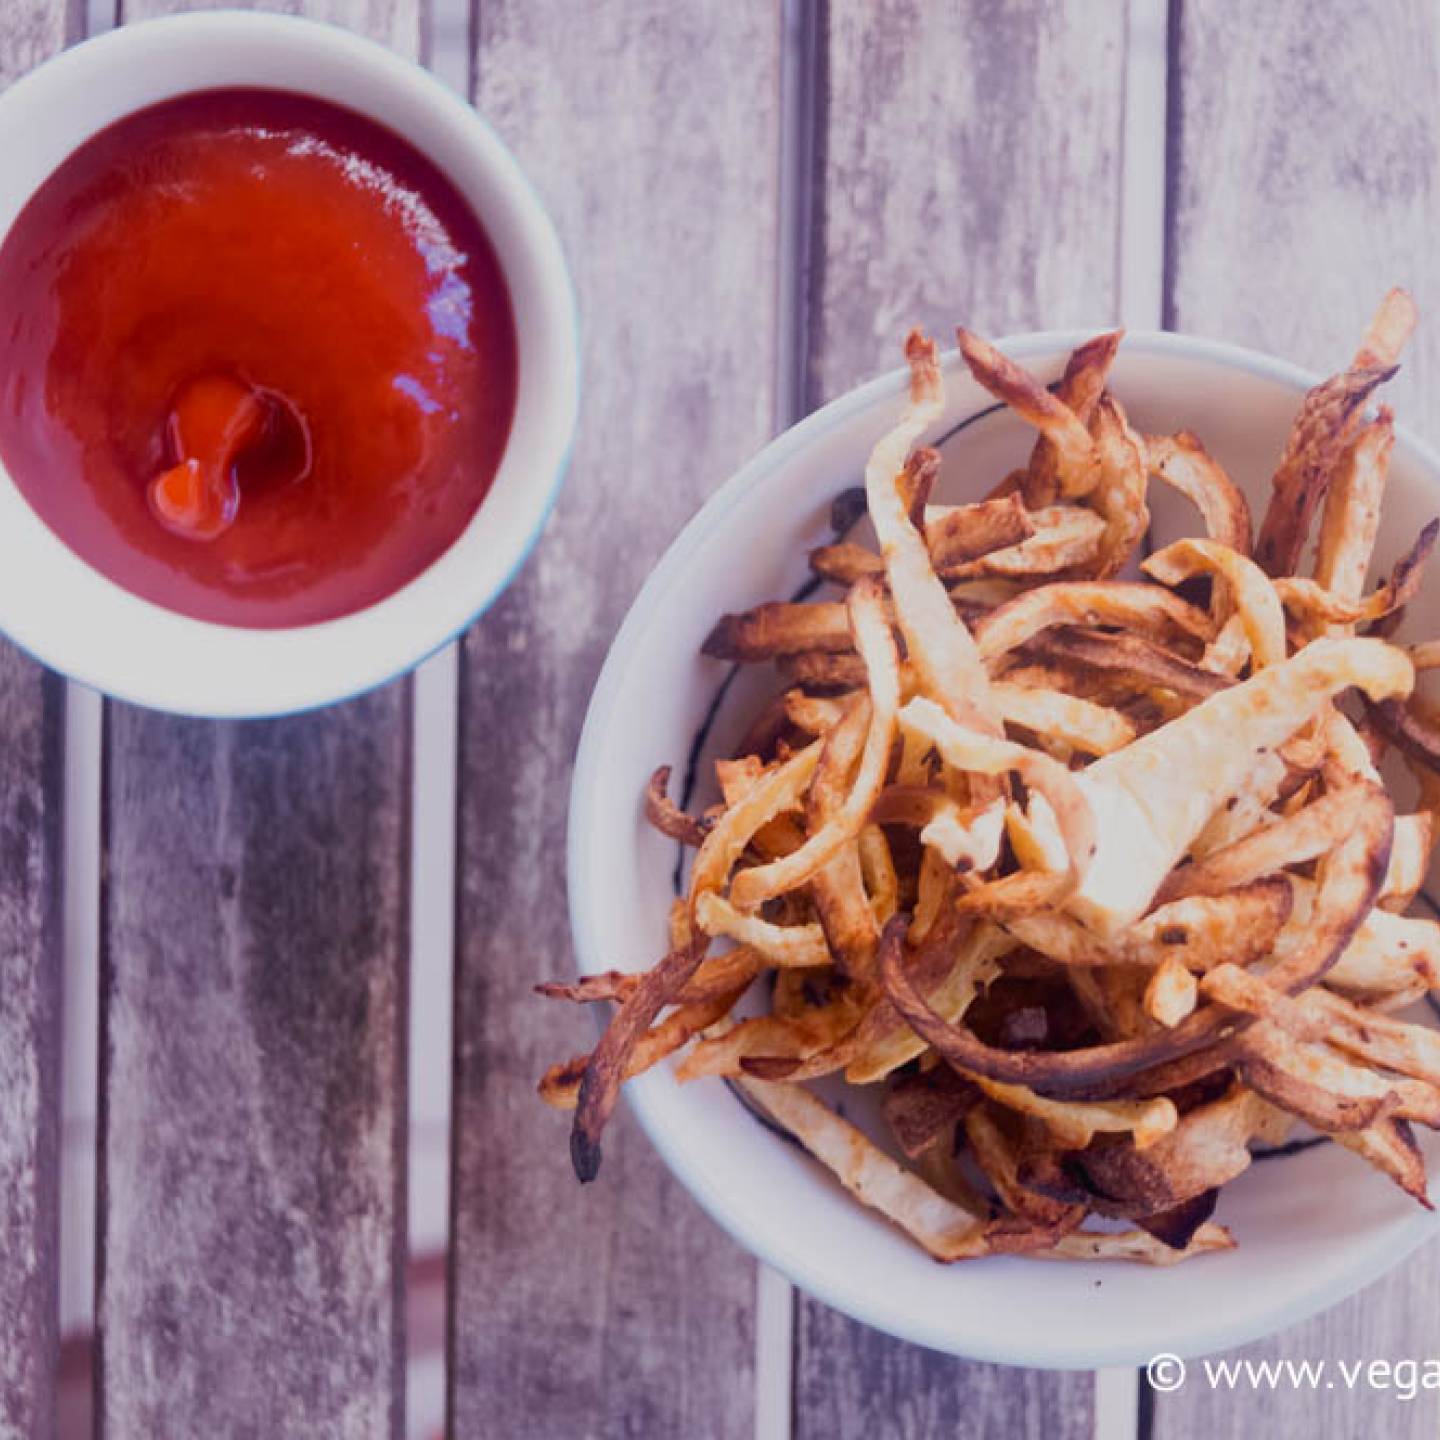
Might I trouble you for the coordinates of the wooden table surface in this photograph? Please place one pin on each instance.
(757, 199)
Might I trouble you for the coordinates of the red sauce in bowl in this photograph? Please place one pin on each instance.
(257, 357)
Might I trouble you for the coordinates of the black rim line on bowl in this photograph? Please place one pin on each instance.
(712, 714)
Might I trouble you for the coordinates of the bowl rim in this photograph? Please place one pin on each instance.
(1195, 1334)
(224, 671)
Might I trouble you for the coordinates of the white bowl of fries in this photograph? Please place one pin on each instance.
(1036, 894)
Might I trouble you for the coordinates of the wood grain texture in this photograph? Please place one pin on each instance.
(31, 723)
(253, 1061)
(968, 170)
(651, 132)
(1305, 185)
(969, 167)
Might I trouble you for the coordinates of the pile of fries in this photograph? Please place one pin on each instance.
(1096, 877)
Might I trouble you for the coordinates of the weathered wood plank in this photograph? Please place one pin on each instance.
(31, 724)
(31, 710)
(651, 131)
(253, 1065)
(1306, 186)
(968, 169)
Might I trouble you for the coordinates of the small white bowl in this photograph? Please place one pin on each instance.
(1312, 1227)
(80, 622)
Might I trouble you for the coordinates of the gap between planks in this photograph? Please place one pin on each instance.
(799, 77)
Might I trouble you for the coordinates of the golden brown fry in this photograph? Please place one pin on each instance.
(719, 975)
(1351, 518)
(838, 888)
(819, 670)
(1318, 607)
(1128, 660)
(944, 1228)
(1198, 932)
(1250, 591)
(882, 665)
(784, 945)
(955, 535)
(810, 1031)
(1152, 799)
(1136, 1245)
(667, 817)
(1312, 453)
(1076, 460)
(780, 629)
(1389, 1145)
(922, 1110)
(968, 751)
(1154, 613)
(1183, 463)
(1119, 496)
(1080, 389)
(1299, 838)
(959, 534)
(1389, 331)
(1078, 723)
(1208, 1148)
(1073, 1124)
(998, 1158)
(1171, 993)
(1062, 537)
(938, 645)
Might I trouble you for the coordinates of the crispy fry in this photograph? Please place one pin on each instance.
(1197, 932)
(780, 629)
(667, 817)
(1079, 723)
(1183, 463)
(959, 534)
(954, 534)
(938, 644)
(1389, 1145)
(1074, 1123)
(1119, 497)
(1390, 330)
(882, 664)
(1301, 837)
(1136, 1245)
(1079, 390)
(1351, 518)
(946, 1230)
(1062, 537)
(1208, 1148)
(1171, 992)
(1151, 799)
(1153, 612)
(922, 1110)
(1251, 593)
(1320, 607)
(786, 945)
(972, 752)
(999, 1159)
(1312, 453)
(1076, 460)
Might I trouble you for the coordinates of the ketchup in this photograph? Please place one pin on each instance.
(257, 358)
